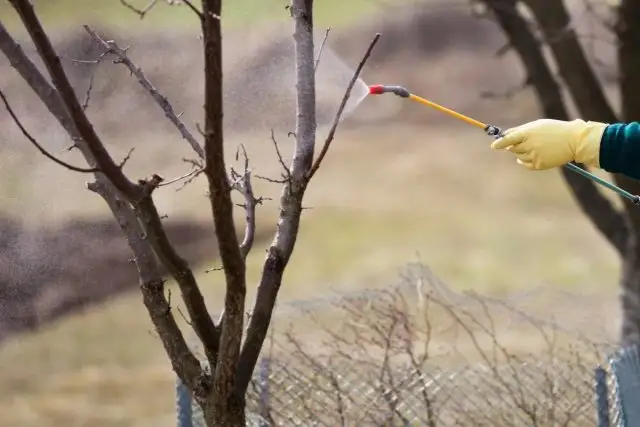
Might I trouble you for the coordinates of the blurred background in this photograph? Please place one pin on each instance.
(400, 184)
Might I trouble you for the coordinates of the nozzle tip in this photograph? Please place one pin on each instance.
(376, 89)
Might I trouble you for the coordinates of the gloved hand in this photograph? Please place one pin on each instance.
(545, 143)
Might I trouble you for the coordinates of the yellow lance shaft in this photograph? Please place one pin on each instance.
(496, 132)
(448, 111)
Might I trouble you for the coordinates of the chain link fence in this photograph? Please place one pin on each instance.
(419, 354)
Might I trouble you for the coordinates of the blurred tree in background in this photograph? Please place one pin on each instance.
(534, 27)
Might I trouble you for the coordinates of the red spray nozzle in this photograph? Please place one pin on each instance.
(376, 90)
(397, 90)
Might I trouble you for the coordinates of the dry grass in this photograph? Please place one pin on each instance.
(388, 194)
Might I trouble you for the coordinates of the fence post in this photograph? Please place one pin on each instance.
(183, 405)
(625, 366)
(602, 397)
(264, 391)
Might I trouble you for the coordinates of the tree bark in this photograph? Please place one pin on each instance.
(231, 328)
(232, 415)
(628, 32)
(292, 193)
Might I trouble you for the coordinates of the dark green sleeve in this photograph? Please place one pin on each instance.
(620, 149)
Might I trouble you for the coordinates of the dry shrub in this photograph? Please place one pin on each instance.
(420, 354)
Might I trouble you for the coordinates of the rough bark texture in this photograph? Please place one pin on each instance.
(223, 407)
(628, 31)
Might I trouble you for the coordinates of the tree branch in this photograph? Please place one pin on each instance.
(112, 47)
(195, 10)
(628, 32)
(343, 103)
(242, 183)
(606, 218)
(36, 144)
(140, 12)
(184, 362)
(139, 195)
(222, 207)
(324, 41)
(291, 197)
(52, 62)
(573, 65)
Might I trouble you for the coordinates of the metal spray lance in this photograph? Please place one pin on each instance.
(496, 132)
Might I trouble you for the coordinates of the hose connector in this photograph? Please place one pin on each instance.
(493, 131)
(397, 90)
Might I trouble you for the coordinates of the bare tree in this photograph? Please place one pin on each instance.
(220, 390)
(551, 26)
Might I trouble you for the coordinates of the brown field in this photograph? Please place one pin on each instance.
(401, 184)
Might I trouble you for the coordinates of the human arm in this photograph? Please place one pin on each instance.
(545, 143)
(620, 149)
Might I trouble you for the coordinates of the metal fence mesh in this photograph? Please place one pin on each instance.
(528, 393)
(395, 357)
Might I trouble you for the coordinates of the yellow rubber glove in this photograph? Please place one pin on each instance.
(546, 143)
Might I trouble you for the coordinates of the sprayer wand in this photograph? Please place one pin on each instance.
(496, 132)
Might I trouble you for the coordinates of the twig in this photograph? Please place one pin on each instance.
(279, 154)
(286, 175)
(324, 40)
(140, 12)
(250, 204)
(195, 9)
(191, 174)
(507, 93)
(160, 99)
(87, 95)
(37, 145)
(343, 103)
(127, 157)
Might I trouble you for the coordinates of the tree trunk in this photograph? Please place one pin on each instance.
(628, 32)
(630, 297)
(220, 414)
